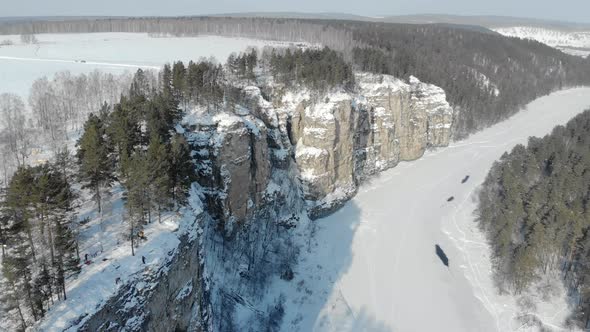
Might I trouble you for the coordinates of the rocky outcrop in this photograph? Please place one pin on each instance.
(234, 165)
(343, 137)
(169, 299)
(325, 145)
(335, 140)
(263, 168)
(249, 181)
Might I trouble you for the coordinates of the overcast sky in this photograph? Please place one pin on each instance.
(567, 10)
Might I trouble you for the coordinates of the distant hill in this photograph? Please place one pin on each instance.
(471, 22)
(485, 21)
(453, 20)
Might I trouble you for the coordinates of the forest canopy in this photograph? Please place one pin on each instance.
(534, 207)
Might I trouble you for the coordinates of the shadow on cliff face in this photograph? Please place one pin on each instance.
(313, 299)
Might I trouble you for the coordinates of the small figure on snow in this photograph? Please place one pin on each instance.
(117, 280)
(465, 179)
(450, 198)
(141, 235)
(143, 259)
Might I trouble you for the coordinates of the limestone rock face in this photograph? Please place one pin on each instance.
(334, 140)
(344, 137)
(324, 149)
(233, 158)
(432, 100)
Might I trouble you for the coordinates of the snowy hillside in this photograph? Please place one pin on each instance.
(110, 265)
(373, 266)
(571, 42)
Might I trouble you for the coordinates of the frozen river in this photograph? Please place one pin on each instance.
(374, 267)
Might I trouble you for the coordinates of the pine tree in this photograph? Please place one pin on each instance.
(67, 259)
(252, 62)
(182, 168)
(137, 198)
(123, 132)
(96, 168)
(20, 253)
(158, 174)
(162, 116)
(166, 81)
(18, 204)
(178, 81)
(64, 162)
(140, 86)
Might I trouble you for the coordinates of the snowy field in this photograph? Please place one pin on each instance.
(21, 64)
(373, 265)
(572, 42)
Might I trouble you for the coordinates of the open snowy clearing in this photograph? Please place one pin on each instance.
(571, 42)
(373, 265)
(21, 64)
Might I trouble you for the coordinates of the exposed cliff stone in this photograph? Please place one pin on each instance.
(234, 164)
(324, 150)
(251, 186)
(343, 137)
(263, 168)
(168, 299)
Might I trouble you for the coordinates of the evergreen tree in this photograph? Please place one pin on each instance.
(533, 206)
(179, 81)
(124, 131)
(137, 199)
(94, 159)
(158, 174)
(182, 168)
(18, 204)
(166, 81)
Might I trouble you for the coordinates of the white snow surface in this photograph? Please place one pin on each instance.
(21, 64)
(571, 42)
(110, 262)
(372, 265)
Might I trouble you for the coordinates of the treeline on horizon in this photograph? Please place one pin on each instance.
(487, 77)
(534, 207)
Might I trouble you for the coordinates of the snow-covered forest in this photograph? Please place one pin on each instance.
(120, 174)
(533, 208)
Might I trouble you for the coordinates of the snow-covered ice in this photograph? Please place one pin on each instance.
(373, 267)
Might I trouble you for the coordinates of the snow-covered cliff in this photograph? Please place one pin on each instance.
(344, 137)
(267, 167)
